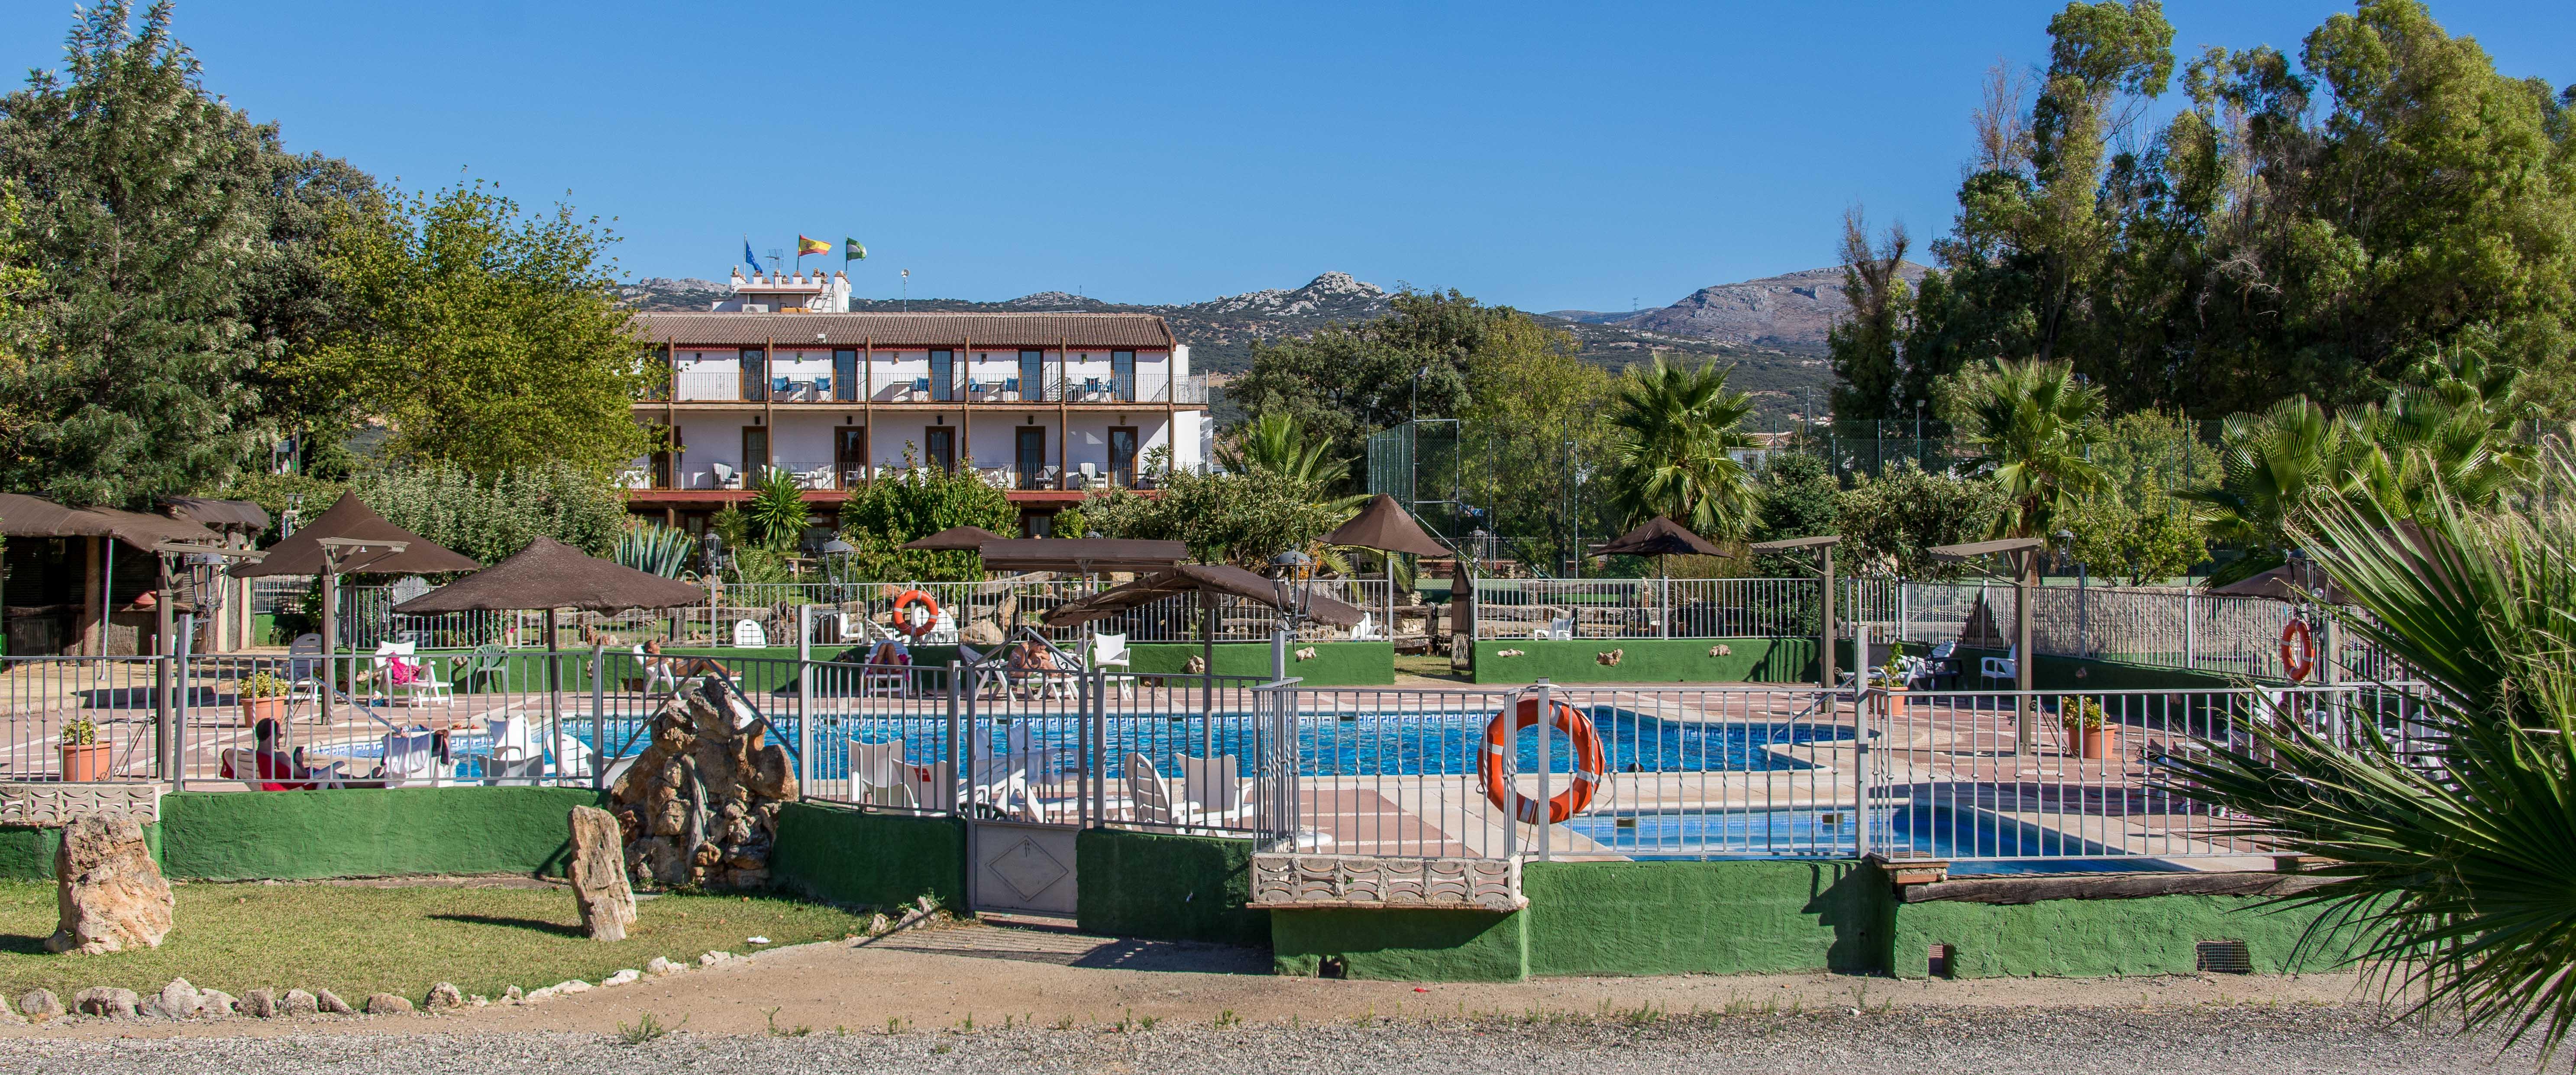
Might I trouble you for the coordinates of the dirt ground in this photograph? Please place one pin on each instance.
(1053, 977)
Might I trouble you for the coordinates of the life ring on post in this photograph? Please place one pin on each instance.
(2298, 650)
(904, 623)
(1589, 765)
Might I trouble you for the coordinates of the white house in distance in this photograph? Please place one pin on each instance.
(1045, 405)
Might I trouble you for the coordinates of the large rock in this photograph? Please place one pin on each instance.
(599, 874)
(217, 1004)
(177, 1000)
(108, 1001)
(699, 807)
(331, 1004)
(388, 1004)
(40, 1005)
(298, 1002)
(112, 897)
(261, 1002)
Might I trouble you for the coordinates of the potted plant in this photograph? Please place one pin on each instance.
(263, 697)
(2094, 736)
(84, 755)
(1891, 677)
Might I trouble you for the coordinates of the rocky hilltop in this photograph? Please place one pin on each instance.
(1791, 311)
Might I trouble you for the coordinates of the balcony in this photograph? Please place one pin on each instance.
(841, 477)
(732, 387)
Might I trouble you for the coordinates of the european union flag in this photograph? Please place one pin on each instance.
(748, 258)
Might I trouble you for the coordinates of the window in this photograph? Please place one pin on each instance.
(1122, 456)
(1037, 524)
(943, 375)
(1033, 376)
(939, 447)
(845, 375)
(755, 453)
(755, 373)
(1122, 374)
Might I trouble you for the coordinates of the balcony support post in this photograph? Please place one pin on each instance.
(868, 412)
(1063, 411)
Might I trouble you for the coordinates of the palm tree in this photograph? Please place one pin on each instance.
(2035, 424)
(2452, 860)
(1676, 425)
(2273, 466)
(1278, 443)
(2448, 427)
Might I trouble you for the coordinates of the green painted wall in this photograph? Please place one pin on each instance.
(1335, 664)
(2072, 673)
(1180, 888)
(238, 836)
(1621, 918)
(1416, 946)
(27, 854)
(1648, 660)
(2092, 938)
(846, 856)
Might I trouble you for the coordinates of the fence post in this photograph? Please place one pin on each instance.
(1095, 684)
(177, 766)
(957, 771)
(598, 713)
(1546, 719)
(804, 698)
(165, 738)
(2190, 629)
(1868, 714)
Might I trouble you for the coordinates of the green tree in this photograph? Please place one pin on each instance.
(1890, 523)
(777, 511)
(2273, 465)
(1346, 382)
(1276, 442)
(1239, 518)
(141, 199)
(487, 338)
(1796, 497)
(1677, 425)
(2034, 425)
(1865, 349)
(919, 502)
(490, 517)
(2135, 546)
(2301, 226)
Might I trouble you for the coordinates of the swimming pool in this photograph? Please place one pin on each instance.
(1375, 743)
(1976, 841)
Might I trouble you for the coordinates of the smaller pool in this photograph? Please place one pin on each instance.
(1977, 842)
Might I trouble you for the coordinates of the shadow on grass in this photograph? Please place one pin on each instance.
(20, 944)
(536, 924)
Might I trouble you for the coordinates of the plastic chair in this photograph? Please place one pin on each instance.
(1216, 794)
(2005, 667)
(657, 670)
(748, 634)
(876, 775)
(1110, 651)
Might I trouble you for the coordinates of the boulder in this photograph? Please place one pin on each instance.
(388, 1004)
(108, 1001)
(703, 797)
(661, 967)
(8, 1014)
(982, 633)
(111, 896)
(512, 995)
(598, 872)
(299, 1002)
(443, 997)
(260, 1002)
(330, 1003)
(216, 1004)
(629, 976)
(177, 1000)
(40, 1005)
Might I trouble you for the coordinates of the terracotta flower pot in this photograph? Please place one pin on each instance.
(2097, 744)
(255, 710)
(86, 763)
(1896, 701)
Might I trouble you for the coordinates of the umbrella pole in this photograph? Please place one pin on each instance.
(330, 637)
(554, 692)
(1207, 655)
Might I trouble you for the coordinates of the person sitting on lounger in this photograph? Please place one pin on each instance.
(890, 651)
(272, 768)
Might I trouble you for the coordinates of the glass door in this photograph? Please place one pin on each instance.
(943, 376)
(1033, 376)
(1029, 451)
(845, 375)
(939, 446)
(850, 454)
(1122, 456)
(755, 374)
(1122, 374)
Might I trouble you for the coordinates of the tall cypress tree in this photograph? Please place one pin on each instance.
(141, 195)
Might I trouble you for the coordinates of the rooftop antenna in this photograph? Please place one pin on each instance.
(776, 257)
(907, 291)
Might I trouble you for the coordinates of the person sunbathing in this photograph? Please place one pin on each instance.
(682, 666)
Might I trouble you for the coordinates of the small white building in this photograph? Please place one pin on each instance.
(1045, 405)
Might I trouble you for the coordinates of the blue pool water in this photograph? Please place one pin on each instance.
(1408, 743)
(1936, 831)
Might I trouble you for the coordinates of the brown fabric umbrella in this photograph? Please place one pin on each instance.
(1224, 579)
(1659, 536)
(301, 553)
(549, 574)
(1085, 555)
(2293, 583)
(1384, 525)
(955, 539)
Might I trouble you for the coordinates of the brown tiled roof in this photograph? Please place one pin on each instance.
(908, 330)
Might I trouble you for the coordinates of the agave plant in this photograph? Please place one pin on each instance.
(2452, 859)
(777, 511)
(656, 549)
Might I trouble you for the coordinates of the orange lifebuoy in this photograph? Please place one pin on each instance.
(2298, 650)
(1589, 766)
(907, 599)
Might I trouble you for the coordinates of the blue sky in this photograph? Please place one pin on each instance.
(1548, 156)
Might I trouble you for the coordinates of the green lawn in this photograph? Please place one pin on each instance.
(357, 940)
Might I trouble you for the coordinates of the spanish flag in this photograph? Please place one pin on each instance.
(806, 246)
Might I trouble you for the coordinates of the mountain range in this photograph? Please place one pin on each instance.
(1772, 329)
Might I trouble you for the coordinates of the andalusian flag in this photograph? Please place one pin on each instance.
(852, 251)
(806, 246)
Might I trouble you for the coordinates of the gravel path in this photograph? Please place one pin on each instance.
(2199, 1040)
